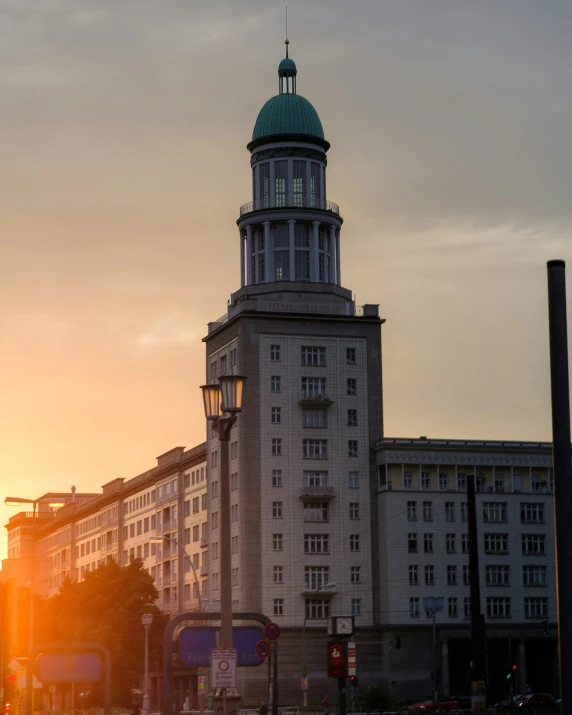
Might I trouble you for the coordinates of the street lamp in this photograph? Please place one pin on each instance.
(161, 539)
(223, 402)
(432, 606)
(146, 620)
(329, 584)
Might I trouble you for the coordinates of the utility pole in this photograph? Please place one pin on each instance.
(560, 390)
(478, 676)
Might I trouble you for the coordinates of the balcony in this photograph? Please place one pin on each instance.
(318, 590)
(317, 492)
(204, 542)
(204, 571)
(310, 399)
(299, 203)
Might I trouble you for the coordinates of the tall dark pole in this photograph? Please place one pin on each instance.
(223, 426)
(342, 696)
(477, 621)
(562, 466)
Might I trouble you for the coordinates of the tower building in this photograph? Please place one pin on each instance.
(303, 473)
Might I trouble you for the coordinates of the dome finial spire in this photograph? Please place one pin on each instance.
(286, 41)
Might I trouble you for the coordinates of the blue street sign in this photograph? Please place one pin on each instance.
(69, 667)
(195, 645)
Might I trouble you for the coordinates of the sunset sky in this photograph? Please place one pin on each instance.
(122, 147)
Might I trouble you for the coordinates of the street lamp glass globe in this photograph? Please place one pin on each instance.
(231, 387)
(211, 399)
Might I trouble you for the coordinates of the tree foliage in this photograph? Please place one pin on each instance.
(106, 607)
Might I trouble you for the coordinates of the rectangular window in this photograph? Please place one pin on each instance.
(466, 607)
(496, 543)
(425, 481)
(353, 480)
(314, 418)
(315, 478)
(350, 356)
(278, 606)
(464, 511)
(277, 542)
(281, 182)
(187, 508)
(352, 418)
(316, 511)
(196, 533)
(354, 542)
(497, 575)
(275, 353)
(443, 481)
(411, 511)
(407, 480)
(315, 448)
(450, 543)
(498, 607)
(276, 509)
(414, 607)
(276, 477)
(276, 415)
(299, 180)
(429, 575)
(356, 606)
(313, 356)
(354, 510)
(466, 576)
(316, 544)
(412, 543)
(278, 574)
(451, 575)
(427, 511)
(355, 574)
(414, 575)
(452, 607)
(315, 185)
(313, 388)
(533, 544)
(275, 382)
(187, 537)
(428, 543)
(317, 608)
(352, 448)
(449, 511)
(465, 544)
(532, 513)
(494, 512)
(276, 446)
(316, 577)
(534, 576)
(536, 607)
(264, 187)
(351, 386)
(461, 482)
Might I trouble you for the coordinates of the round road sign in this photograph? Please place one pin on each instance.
(223, 665)
(262, 649)
(272, 631)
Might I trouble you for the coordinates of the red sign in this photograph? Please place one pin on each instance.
(351, 658)
(272, 631)
(262, 649)
(336, 659)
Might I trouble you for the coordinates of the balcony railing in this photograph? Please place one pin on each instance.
(311, 587)
(322, 492)
(314, 399)
(298, 203)
(204, 542)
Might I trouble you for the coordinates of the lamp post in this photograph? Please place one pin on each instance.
(223, 402)
(161, 539)
(433, 605)
(146, 620)
(330, 584)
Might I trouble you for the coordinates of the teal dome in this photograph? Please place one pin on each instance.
(287, 114)
(287, 65)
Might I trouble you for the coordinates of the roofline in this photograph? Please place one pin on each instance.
(438, 443)
(269, 138)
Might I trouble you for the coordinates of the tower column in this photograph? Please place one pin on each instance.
(314, 253)
(333, 258)
(268, 272)
(292, 251)
(338, 262)
(249, 255)
(241, 259)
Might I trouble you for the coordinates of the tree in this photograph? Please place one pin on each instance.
(106, 607)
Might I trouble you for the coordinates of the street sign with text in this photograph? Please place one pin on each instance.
(223, 668)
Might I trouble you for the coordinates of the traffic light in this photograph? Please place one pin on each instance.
(512, 672)
(545, 625)
(354, 681)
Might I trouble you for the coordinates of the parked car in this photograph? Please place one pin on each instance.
(535, 700)
(465, 701)
(428, 705)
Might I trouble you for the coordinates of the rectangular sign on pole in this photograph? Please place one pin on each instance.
(351, 658)
(223, 668)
